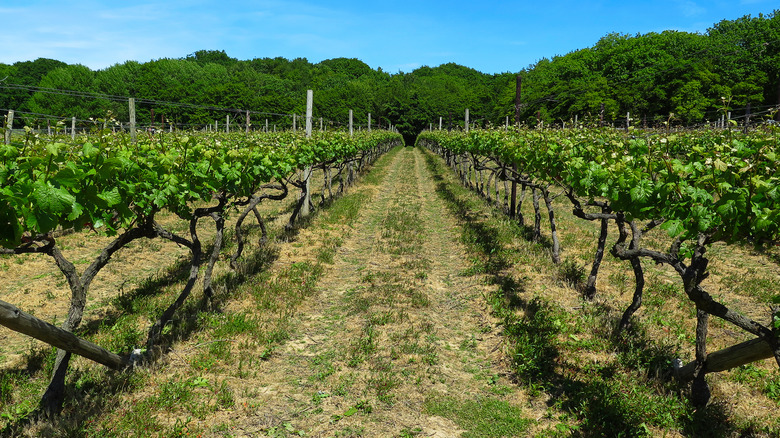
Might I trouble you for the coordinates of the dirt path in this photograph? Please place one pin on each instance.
(395, 334)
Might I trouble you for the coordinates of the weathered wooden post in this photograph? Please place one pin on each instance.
(133, 134)
(307, 171)
(9, 125)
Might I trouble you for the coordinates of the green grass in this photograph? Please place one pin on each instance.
(480, 417)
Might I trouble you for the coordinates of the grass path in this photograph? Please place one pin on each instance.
(395, 341)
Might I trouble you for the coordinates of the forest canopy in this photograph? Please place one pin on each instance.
(678, 77)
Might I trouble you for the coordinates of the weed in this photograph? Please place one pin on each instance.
(571, 274)
(383, 380)
(772, 386)
(410, 432)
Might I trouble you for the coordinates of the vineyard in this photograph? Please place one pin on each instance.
(701, 188)
(642, 303)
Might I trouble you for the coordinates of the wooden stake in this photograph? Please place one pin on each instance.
(9, 125)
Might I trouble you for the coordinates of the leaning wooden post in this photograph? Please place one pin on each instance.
(19, 321)
(9, 126)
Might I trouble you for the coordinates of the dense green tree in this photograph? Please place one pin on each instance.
(682, 77)
(76, 78)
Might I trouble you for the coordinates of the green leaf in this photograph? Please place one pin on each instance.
(51, 199)
(673, 227)
(88, 150)
(112, 197)
(641, 192)
(52, 204)
(66, 177)
(54, 148)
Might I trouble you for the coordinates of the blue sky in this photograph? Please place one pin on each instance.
(492, 37)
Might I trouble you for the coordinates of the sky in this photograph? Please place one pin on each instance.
(396, 36)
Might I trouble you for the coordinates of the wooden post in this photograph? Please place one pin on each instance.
(747, 118)
(506, 124)
(628, 121)
(307, 171)
(9, 126)
(48, 126)
(309, 110)
(266, 126)
(19, 321)
(601, 115)
(247, 121)
(369, 122)
(350, 123)
(440, 120)
(295, 120)
(227, 124)
(321, 125)
(466, 121)
(73, 129)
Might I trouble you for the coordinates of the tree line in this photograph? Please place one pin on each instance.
(678, 77)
